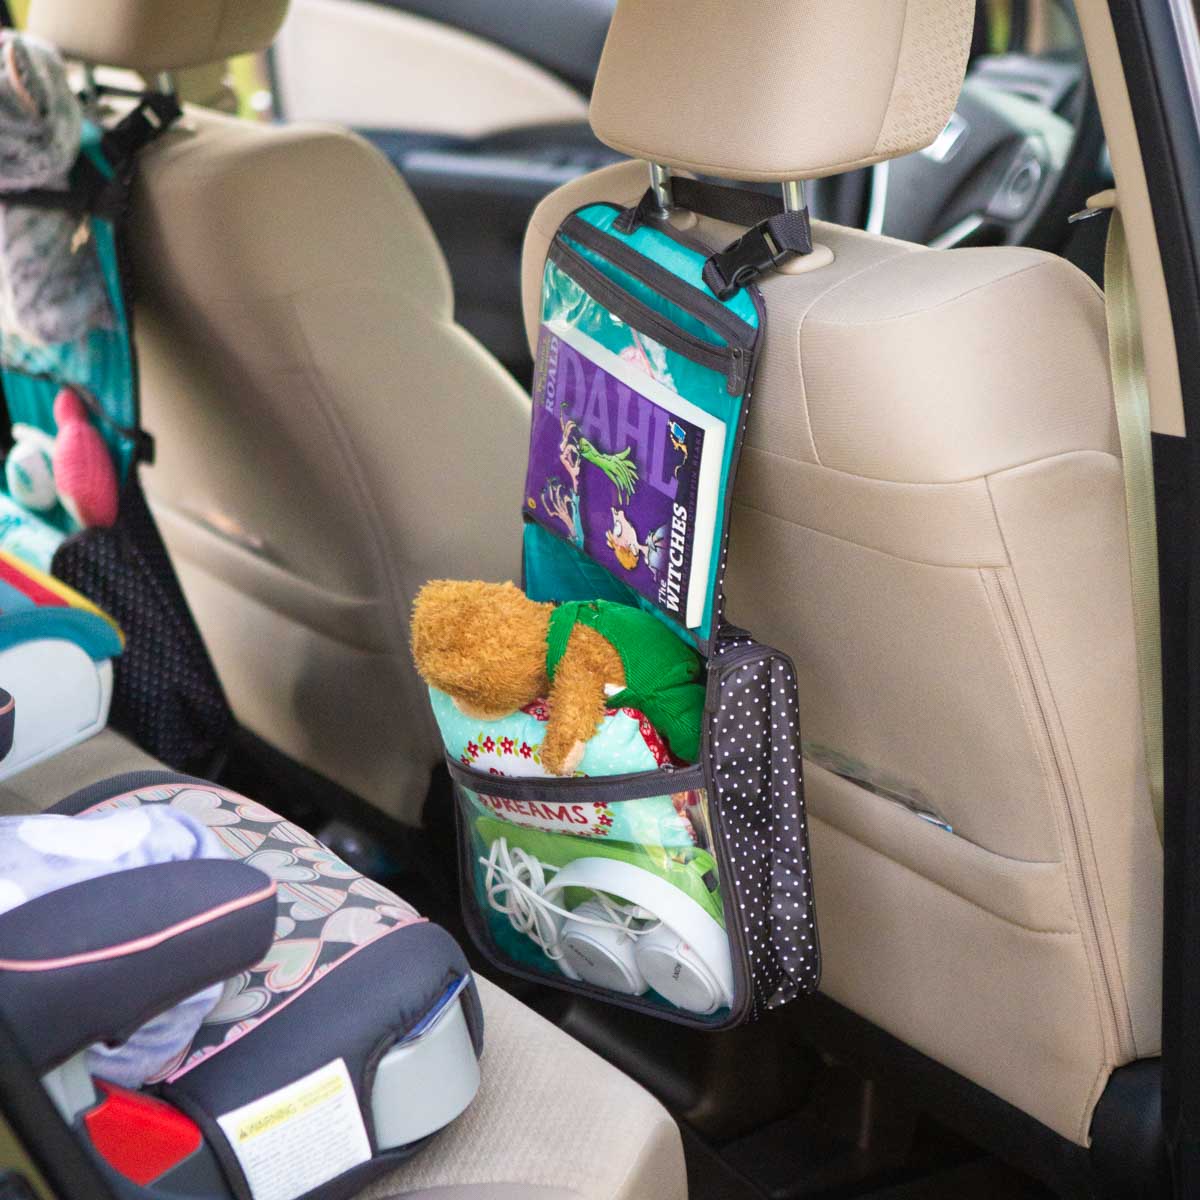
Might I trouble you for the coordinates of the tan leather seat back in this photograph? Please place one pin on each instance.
(327, 437)
(930, 519)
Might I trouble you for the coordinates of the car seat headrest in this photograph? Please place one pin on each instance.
(156, 35)
(779, 89)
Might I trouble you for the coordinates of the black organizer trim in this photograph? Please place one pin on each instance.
(733, 650)
(614, 788)
(725, 360)
(701, 304)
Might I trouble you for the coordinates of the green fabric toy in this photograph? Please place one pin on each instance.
(663, 675)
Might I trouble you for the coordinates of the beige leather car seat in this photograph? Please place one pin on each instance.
(930, 519)
(327, 437)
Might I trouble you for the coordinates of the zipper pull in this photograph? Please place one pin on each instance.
(738, 367)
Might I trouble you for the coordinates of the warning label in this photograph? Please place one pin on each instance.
(299, 1136)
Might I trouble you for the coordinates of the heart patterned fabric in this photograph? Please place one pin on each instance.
(327, 910)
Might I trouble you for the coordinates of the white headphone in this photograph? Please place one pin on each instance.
(659, 938)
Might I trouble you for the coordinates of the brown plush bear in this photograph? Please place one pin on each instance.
(492, 650)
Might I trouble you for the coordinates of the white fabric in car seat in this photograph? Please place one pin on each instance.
(43, 852)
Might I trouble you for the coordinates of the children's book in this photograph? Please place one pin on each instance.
(625, 468)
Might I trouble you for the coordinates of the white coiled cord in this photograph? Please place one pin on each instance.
(514, 882)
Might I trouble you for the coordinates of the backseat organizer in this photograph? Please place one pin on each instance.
(347, 1035)
(681, 889)
(71, 504)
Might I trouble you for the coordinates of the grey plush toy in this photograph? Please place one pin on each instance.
(51, 286)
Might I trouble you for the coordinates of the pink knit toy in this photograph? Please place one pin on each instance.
(83, 469)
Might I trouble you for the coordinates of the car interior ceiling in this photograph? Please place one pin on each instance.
(814, 1100)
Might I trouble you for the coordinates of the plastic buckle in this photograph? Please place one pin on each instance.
(743, 261)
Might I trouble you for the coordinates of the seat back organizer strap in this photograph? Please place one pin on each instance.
(71, 505)
(627, 764)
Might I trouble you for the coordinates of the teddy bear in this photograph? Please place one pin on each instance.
(493, 650)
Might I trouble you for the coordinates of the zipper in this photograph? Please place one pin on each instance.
(719, 665)
(1071, 821)
(700, 304)
(729, 361)
(635, 785)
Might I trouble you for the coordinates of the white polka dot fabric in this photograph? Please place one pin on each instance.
(166, 695)
(757, 801)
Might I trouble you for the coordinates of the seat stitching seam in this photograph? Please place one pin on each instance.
(1073, 933)
(1048, 260)
(939, 483)
(917, 562)
(1122, 1022)
(1081, 832)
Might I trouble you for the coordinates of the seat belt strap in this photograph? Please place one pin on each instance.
(1127, 364)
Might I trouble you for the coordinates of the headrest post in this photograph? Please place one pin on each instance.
(164, 81)
(793, 195)
(91, 93)
(660, 185)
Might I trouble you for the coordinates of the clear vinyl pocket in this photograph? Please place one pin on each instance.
(609, 886)
(640, 388)
(686, 891)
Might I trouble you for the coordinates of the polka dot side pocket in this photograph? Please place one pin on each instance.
(753, 758)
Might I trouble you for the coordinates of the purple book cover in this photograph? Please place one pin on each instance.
(618, 473)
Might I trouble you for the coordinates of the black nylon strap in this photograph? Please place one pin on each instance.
(154, 114)
(775, 235)
(91, 192)
(738, 206)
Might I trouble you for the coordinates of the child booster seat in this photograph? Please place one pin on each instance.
(347, 1034)
(71, 504)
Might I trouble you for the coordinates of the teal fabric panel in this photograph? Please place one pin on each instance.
(680, 260)
(512, 745)
(99, 366)
(98, 639)
(565, 300)
(556, 570)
